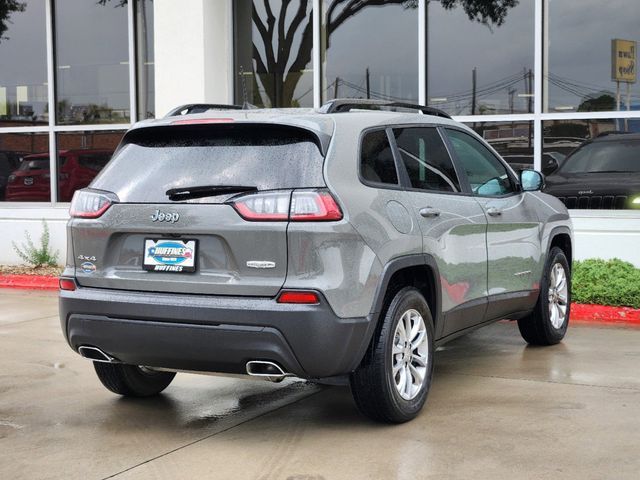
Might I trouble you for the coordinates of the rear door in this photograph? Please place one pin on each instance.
(513, 228)
(201, 245)
(453, 225)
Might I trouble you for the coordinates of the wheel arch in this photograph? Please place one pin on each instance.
(561, 237)
(420, 271)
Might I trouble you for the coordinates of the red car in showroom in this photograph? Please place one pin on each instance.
(76, 168)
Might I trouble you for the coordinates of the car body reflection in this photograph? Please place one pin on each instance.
(76, 168)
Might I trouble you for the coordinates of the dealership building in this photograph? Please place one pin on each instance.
(535, 78)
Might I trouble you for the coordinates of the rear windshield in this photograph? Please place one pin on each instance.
(153, 161)
(606, 156)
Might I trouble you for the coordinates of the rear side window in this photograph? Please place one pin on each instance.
(426, 159)
(155, 160)
(376, 159)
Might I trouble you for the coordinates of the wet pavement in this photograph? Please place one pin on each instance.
(497, 409)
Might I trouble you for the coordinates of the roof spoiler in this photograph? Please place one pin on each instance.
(200, 108)
(341, 105)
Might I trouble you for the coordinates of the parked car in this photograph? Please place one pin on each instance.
(603, 173)
(76, 168)
(551, 161)
(339, 245)
(9, 161)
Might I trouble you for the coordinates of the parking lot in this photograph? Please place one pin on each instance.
(497, 409)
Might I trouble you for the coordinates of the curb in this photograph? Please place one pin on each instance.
(604, 315)
(29, 282)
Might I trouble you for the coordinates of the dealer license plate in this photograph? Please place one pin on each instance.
(169, 255)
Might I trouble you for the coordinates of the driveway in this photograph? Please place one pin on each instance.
(497, 410)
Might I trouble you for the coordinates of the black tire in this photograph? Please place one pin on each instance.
(373, 383)
(132, 381)
(537, 328)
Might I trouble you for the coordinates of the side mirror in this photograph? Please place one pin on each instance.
(531, 180)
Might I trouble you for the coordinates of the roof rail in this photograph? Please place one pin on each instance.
(346, 104)
(200, 108)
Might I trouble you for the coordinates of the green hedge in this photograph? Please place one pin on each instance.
(606, 282)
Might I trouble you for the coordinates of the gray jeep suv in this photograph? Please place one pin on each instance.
(339, 244)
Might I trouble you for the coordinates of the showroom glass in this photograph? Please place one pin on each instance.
(514, 141)
(601, 170)
(146, 58)
(486, 174)
(81, 156)
(426, 159)
(24, 167)
(92, 62)
(376, 159)
(273, 47)
(478, 69)
(23, 65)
(579, 52)
(371, 51)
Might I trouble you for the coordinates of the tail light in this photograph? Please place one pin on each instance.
(299, 206)
(11, 179)
(89, 204)
(298, 297)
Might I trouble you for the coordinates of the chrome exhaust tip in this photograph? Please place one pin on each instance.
(95, 354)
(269, 370)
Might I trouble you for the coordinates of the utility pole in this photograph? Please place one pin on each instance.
(368, 84)
(511, 92)
(335, 87)
(473, 89)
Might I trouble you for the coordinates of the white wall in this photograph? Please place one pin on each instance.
(607, 234)
(15, 220)
(193, 52)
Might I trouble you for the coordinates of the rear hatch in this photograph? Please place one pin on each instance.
(175, 220)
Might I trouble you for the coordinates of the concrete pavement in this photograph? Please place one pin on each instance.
(497, 409)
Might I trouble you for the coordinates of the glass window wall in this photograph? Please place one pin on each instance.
(273, 53)
(23, 64)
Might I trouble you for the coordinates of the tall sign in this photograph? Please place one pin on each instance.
(624, 63)
(624, 67)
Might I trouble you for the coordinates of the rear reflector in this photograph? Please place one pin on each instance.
(299, 297)
(88, 204)
(67, 284)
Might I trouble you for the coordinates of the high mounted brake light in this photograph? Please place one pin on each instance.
(299, 206)
(88, 204)
(201, 121)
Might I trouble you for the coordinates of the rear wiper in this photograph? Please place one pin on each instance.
(201, 191)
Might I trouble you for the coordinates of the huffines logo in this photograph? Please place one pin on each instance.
(170, 253)
(159, 216)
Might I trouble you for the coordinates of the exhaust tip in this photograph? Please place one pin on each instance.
(95, 354)
(263, 368)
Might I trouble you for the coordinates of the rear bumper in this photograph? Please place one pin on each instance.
(212, 333)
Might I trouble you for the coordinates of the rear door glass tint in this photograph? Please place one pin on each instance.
(426, 159)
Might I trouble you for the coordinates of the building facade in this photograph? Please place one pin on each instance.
(535, 78)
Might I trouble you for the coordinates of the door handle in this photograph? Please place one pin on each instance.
(494, 212)
(429, 212)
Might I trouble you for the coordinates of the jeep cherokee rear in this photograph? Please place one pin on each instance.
(307, 243)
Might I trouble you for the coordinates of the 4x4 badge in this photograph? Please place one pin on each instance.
(159, 216)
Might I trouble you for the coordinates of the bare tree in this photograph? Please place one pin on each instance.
(284, 50)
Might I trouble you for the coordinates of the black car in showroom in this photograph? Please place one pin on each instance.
(602, 173)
